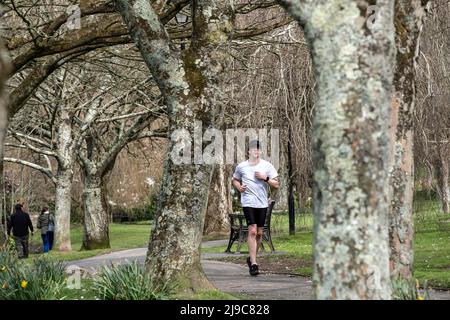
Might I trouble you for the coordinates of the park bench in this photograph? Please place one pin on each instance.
(239, 229)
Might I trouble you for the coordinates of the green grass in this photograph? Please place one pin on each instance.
(428, 216)
(432, 258)
(122, 236)
(431, 242)
(303, 221)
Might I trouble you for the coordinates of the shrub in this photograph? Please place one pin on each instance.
(131, 215)
(42, 279)
(76, 214)
(152, 206)
(128, 281)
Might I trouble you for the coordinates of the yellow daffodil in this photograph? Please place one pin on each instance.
(420, 298)
(24, 284)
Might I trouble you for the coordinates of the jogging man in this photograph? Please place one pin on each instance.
(252, 178)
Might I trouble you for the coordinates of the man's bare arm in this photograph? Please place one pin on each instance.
(237, 184)
(274, 183)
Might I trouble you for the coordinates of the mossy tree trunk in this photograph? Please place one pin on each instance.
(190, 86)
(354, 71)
(408, 25)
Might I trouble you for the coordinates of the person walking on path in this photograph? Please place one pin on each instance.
(19, 223)
(252, 179)
(46, 223)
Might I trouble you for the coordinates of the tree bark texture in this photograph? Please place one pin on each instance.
(4, 72)
(190, 86)
(354, 71)
(64, 176)
(408, 25)
(441, 167)
(219, 202)
(281, 194)
(96, 229)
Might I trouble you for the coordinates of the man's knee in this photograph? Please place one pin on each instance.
(252, 232)
(260, 233)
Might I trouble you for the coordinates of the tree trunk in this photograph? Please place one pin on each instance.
(219, 202)
(63, 201)
(281, 194)
(353, 67)
(3, 231)
(408, 24)
(63, 204)
(442, 174)
(4, 72)
(192, 92)
(96, 229)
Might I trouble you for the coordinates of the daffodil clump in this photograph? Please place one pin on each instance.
(42, 279)
(129, 281)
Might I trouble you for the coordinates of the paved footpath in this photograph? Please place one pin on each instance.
(229, 277)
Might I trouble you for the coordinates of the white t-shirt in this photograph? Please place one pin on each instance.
(255, 196)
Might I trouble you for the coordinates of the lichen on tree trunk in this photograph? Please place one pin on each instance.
(64, 176)
(62, 211)
(354, 70)
(96, 229)
(174, 249)
(190, 86)
(408, 24)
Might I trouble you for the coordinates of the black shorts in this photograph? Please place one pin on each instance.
(255, 216)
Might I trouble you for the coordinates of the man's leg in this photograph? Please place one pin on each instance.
(261, 219)
(251, 241)
(19, 249)
(25, 246)
(259, 235)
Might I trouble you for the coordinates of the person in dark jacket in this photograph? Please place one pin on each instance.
(46, 223)
(19, 223)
